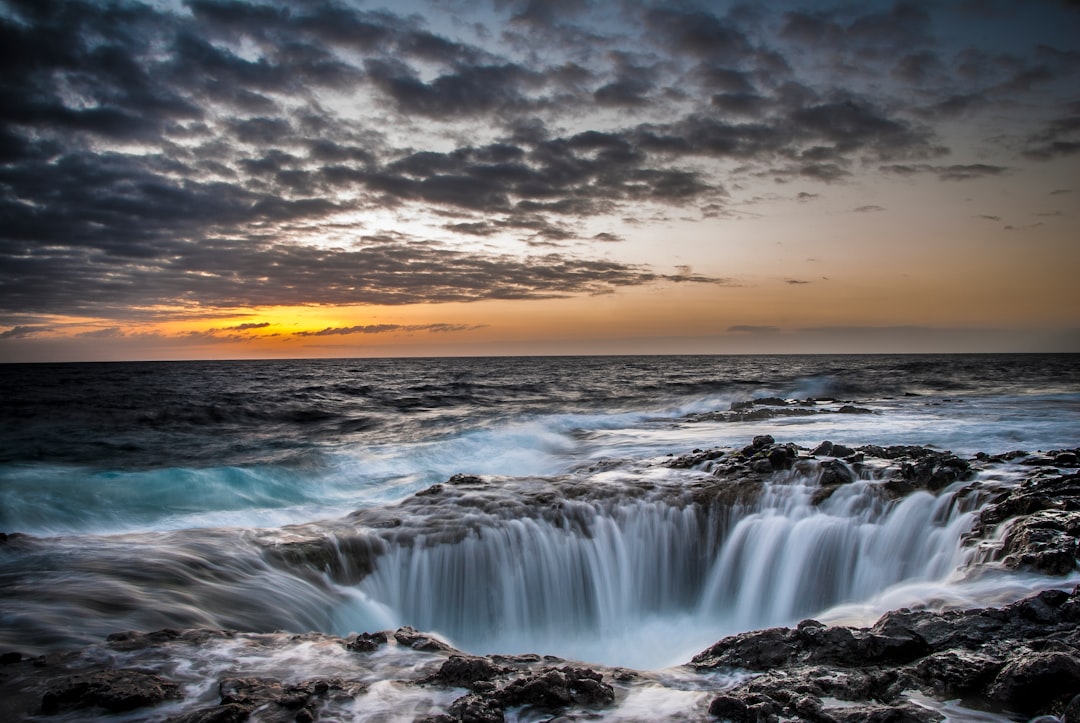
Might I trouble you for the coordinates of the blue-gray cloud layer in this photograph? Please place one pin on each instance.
(153, 154)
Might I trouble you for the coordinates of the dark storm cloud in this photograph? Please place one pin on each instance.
(19, 332)
(471, 90)
(697, 33)
(168, 154)
(1060, 137)
(877, 34)
(238, 273)
(955, 172)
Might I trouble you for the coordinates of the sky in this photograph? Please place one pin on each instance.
(218, 179)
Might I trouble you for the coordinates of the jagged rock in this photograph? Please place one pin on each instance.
(116, 691)
(367, 642)
(1033, 680)
(936, 471)
(555, 688)
(412, 638)
(1047, 541)
(1025, 656)
(477, 709)
(464, 671)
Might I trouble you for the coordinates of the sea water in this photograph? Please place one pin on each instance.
(192, 494)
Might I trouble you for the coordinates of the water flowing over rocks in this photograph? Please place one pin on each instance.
(764, 529)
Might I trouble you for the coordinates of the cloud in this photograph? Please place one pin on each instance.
(154, 156)
(388, 328)
(956, 172)
(111, 332)
(796, 282)
(1060, 137)
(868, 209)
(244, 327)
(988, 217)
(20, 332)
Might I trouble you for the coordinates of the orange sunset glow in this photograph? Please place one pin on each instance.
(699, 178)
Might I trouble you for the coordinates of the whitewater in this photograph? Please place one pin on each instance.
(572, 507)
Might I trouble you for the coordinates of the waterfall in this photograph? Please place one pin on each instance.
(666, 577)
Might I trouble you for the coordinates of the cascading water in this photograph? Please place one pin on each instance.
(646, 582)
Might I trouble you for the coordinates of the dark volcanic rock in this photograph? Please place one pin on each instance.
(1025, 657)
(114, 690)
(412, 638)
(555, 688)
(463, 671)
(1029, 681)
(367, 642)
(1045, 535)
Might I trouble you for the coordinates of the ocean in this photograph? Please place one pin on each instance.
(508, 505)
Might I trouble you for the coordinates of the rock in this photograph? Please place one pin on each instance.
(1072, 711)
(1047, 541)
(555, 688)
(464, 479)
(116, 691)
(230, 713)
(851, 409)
(823, 450)
(936, 471)
(411, 638)
(477, 709)
(759, 650)
(367, 642)
(953, 673)
(729, 708)
(463, 671)
(1034, 680)
(763, 440)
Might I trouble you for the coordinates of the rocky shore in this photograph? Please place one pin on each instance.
(1017, 661)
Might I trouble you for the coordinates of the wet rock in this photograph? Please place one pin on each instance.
(851, 409)
(367, 642)
(1047, 541)
(476, 709)
(230, 713)
(823, 450)
(1071, 714)
(555, 688)
(953, 673)
(412, 638)
(1034, 680)
(116, 691)
(347, 557)
(464, 671)
(758, 650)
(464, 479)
(937, 471)
(1024, 657)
